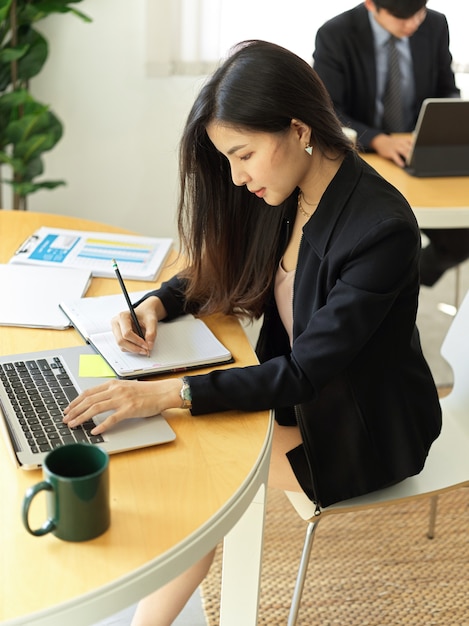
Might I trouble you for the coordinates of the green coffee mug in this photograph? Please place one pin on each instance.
(76, 482)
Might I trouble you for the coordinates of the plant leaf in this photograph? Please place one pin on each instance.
(4, 9)
(41, 9)
(7, 55)
(31, 63)
(34, 168)
(24, 189)
(15, 98)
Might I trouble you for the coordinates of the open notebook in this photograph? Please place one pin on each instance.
(182, 344)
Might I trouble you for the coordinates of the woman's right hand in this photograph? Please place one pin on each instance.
(124, 399)
(148, 313)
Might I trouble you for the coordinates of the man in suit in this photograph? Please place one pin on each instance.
(351, 57)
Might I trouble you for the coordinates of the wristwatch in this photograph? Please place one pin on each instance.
(186, 395)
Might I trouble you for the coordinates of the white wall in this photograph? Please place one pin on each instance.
(118, 154)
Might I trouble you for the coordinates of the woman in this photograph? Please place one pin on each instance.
(313, 239)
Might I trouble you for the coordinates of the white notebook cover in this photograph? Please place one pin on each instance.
(31, 295)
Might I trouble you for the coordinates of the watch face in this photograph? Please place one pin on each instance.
(186, 396)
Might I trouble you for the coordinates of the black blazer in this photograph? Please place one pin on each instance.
(344, 58)
(355, 379)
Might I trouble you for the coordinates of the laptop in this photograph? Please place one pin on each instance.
(441, 139)
(35, 387)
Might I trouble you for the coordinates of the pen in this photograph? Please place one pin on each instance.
(129, 303)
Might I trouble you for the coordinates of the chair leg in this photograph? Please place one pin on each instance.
(432, 522)
(301, 577)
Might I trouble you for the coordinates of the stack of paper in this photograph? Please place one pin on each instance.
(139, 258)
(31, 295)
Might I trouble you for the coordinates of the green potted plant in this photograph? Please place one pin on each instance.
(28, 128)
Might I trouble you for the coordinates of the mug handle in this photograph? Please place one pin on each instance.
(48, 525)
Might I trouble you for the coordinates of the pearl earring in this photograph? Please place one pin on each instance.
(309, 149)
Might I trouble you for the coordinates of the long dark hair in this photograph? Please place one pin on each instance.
(229, 235)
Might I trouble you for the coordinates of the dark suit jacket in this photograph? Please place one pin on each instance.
(355, 379)
(344, 58)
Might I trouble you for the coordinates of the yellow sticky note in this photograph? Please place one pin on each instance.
(94, 366)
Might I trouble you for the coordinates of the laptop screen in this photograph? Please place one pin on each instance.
(441, 139)
(443, 121)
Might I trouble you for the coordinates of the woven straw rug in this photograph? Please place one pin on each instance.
(369, 568)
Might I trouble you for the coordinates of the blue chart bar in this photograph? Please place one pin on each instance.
(108, 251)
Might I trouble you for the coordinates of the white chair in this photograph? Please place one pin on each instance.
(451, 309)
(447, 465)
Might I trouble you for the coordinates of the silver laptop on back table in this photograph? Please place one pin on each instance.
(441, 139)
(35, 387)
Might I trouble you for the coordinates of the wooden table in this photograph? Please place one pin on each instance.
(170, 504)
(440, 202)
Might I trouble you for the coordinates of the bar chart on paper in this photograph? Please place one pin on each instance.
(139, 257)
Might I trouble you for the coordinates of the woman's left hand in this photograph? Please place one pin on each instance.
(126, 399)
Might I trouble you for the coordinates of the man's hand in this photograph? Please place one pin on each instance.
(395, 148)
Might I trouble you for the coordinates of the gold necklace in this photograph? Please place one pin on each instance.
(300, 205)
(306, 202)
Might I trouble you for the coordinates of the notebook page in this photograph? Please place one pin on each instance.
(93, 315)
(181, 344)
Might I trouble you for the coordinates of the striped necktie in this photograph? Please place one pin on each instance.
(392, 101)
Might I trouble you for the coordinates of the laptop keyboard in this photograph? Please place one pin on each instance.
(39, 390)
